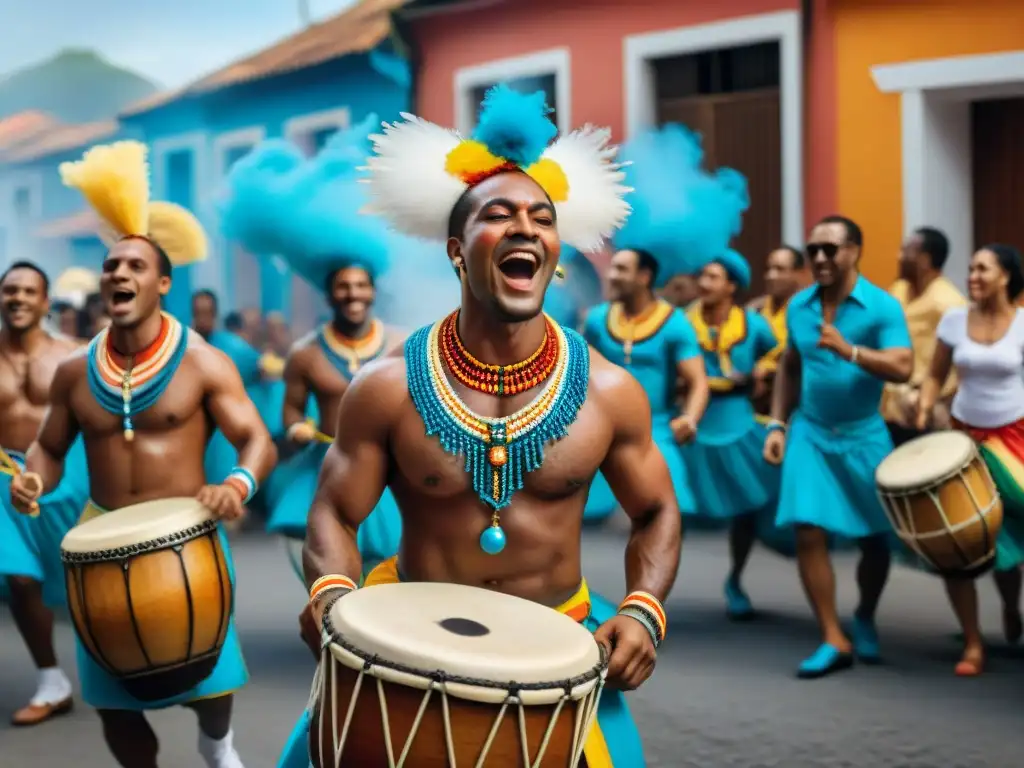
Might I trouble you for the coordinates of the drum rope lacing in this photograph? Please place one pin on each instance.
(141, 548)
(438, 679)
(898, 509)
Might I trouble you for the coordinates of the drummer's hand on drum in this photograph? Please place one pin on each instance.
(775, 446)
(631, 653)
(26, 488)
(223, 500)
(923, 417)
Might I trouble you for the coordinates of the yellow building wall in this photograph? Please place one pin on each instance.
(873, 32)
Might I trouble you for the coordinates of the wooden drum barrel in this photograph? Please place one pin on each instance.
(943, 503)
(150, 594)
(425, 675)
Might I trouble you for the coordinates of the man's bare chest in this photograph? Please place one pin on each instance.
(22, 381)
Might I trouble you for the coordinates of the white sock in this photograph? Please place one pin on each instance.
(219, 753)
(53, 687)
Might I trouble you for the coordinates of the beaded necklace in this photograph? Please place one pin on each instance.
(500, 380)
(498, 451)
(136, 386)
(348, 355)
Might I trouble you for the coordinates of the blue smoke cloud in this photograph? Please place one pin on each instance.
(684, 215)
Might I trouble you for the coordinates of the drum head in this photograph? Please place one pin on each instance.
(465, 631)
(136, 524)
(924, 460)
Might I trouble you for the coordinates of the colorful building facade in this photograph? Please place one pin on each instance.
(916, 115)
(732, 71)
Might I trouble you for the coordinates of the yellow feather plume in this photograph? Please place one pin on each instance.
(551, 178)
(178, 232)
(114, 178)
(470, 159)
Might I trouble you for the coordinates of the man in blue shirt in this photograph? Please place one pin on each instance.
(846, 338)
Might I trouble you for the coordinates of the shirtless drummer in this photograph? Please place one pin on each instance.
(149, 444)
(30, 546)
(514, 527)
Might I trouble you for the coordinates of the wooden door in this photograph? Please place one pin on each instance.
(998, 155)
(742, 131)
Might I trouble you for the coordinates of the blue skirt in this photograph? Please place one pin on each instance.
(733, 478)
(102, 691)
(293, 490)
(601, 501)
(30, 546)
(613, 716)
(828, 477)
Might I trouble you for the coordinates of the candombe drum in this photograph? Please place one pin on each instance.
(150, 594)
(423, 675)
(943, 503)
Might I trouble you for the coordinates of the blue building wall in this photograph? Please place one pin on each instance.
(220, 127)
(193, 142)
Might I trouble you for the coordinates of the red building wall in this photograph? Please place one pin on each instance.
(593, 30)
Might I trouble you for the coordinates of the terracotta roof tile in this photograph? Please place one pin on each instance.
(356, 30)
(23, 126)
(75, 225)
(61, 138)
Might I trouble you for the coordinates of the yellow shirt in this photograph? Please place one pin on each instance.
(923, 314)
(776, 318)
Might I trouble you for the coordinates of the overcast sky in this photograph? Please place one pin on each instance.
(170, 41)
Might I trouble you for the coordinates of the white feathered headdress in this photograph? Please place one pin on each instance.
(419, 170)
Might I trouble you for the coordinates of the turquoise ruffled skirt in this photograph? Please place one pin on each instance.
(828, 477)
(30, 546)
(601, 501)
(293, 490)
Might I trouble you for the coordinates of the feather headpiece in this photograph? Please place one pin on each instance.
(114, 179)
(306, 211)
(419, 170)
(683, 215)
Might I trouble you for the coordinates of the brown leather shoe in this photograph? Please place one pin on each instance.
(36, 714)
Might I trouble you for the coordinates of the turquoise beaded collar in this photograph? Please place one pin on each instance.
(498, 451)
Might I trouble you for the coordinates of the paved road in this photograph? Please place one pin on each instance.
(723, 695)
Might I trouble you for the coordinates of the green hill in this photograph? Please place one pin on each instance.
(75, 86)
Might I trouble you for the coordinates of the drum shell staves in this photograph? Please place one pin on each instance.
(156, 619)
(952, 521)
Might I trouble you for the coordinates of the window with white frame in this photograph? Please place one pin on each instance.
(527, 85)
(546, 71)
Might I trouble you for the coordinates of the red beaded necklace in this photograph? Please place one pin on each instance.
(500, 380)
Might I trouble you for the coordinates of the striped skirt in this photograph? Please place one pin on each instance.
(1002, 448)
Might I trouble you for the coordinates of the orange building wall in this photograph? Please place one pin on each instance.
(868, 161)
(592, 30)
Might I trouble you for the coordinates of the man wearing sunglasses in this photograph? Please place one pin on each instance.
(846, 339)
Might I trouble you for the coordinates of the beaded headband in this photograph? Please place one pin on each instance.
(419, 170)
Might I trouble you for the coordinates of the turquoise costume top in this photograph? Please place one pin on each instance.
(837, 437)
(650, 348)
(832, 390)
(746, 337)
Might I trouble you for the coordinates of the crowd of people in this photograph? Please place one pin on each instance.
(678, 401)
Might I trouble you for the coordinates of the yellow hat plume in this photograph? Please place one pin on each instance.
(114, 179)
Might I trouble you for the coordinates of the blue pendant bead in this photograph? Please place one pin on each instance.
(492, 540)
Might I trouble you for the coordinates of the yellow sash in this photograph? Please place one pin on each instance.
(721, 341)
(777, 320)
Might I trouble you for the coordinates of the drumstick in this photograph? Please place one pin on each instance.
(16, 469)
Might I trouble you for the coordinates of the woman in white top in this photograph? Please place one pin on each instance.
(986, 344)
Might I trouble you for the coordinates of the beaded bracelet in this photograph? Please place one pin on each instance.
(242, 480)
(330, 583)
(775, 424)
(649, 605)
(644, 618)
